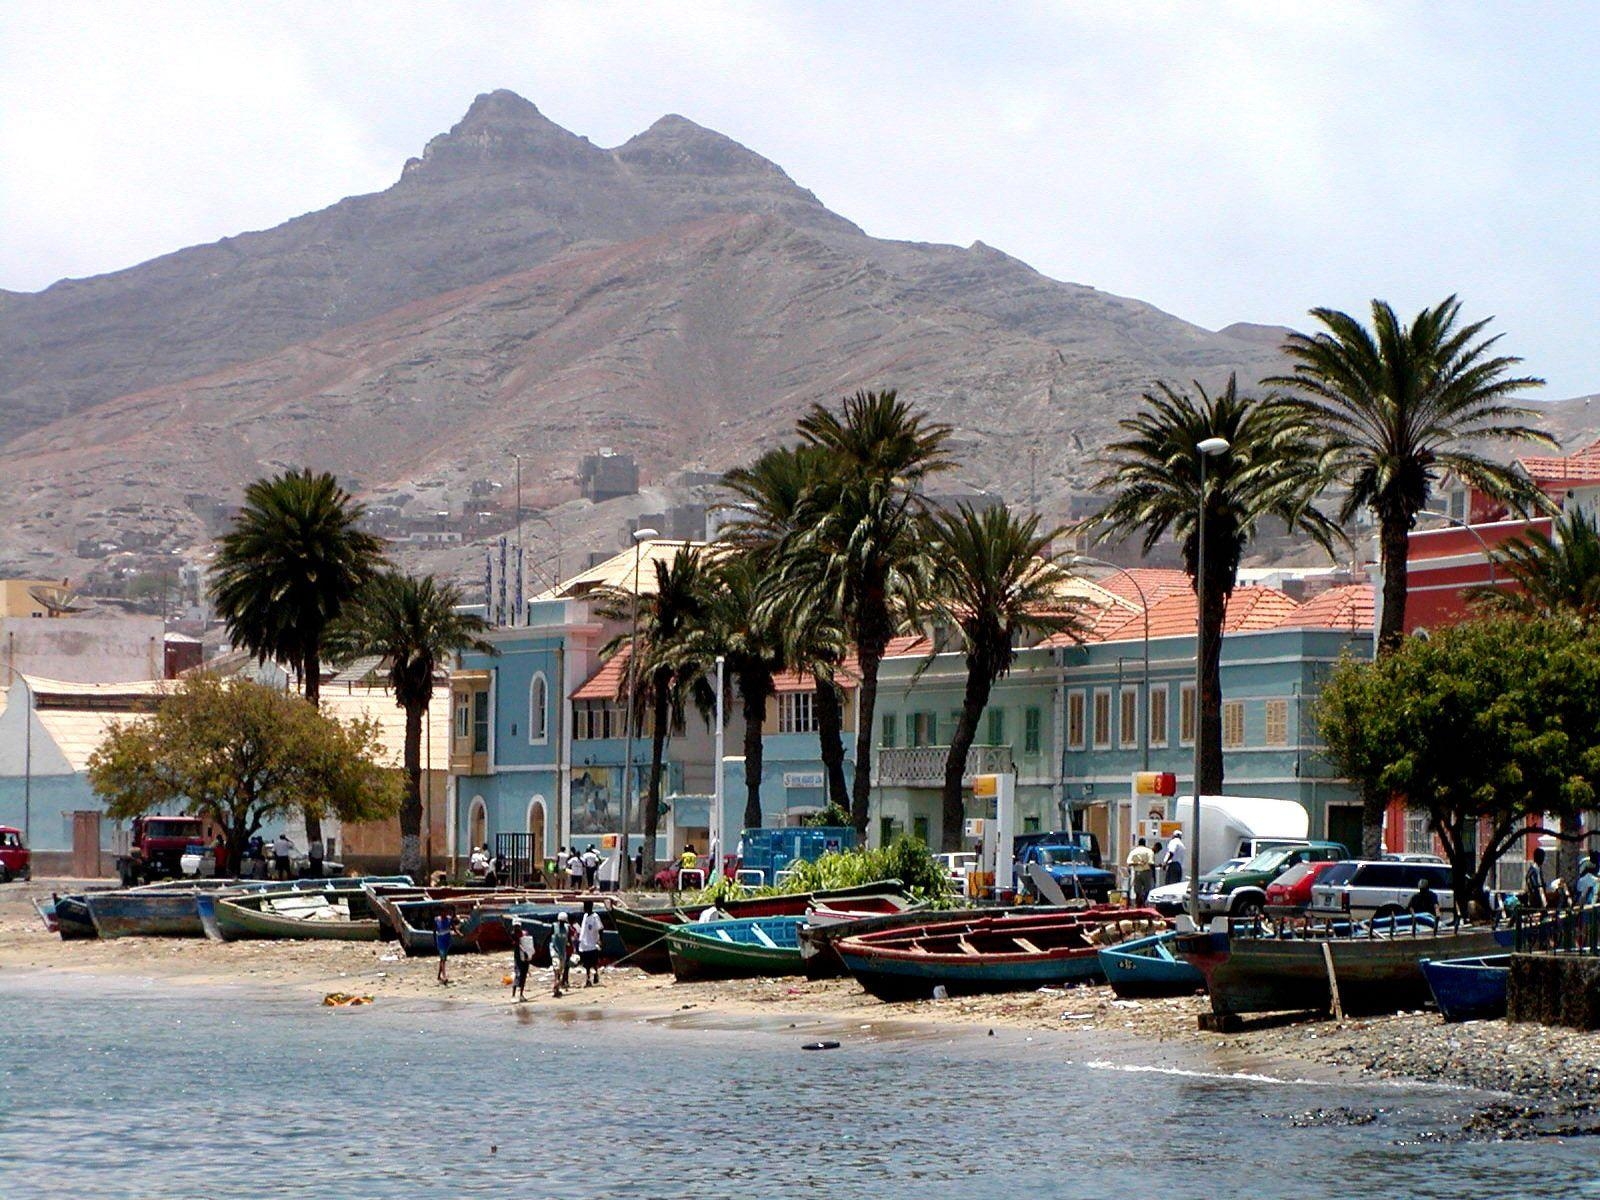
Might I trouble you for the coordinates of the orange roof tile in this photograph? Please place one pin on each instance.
(609, 682)
(1157, 582)
(1349, 606)
(1582, 467)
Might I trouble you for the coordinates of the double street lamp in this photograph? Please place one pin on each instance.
(1208, 448)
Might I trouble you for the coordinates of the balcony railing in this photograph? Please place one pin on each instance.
(923, 766)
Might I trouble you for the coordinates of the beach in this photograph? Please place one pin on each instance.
(1548, 1077)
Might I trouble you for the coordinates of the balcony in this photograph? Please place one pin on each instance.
(923, 766)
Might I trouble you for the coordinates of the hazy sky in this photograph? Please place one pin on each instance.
(1225, 161)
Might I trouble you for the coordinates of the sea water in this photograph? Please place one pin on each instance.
(125, 1091)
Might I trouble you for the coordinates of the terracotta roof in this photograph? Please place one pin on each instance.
(1349, 606)
(1250, 609)
(609, 682)
(1158, 583)
(1582, 467)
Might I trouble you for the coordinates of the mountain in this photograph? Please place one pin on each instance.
(519, 289)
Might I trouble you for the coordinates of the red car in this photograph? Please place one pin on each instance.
(15, 860)
(1292, 889)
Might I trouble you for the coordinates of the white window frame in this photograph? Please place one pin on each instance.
(1098, 735)
(797, 712)
(538, 710)
(1077, 699)
(1128, 717)
(1186, 693)
(1160, 697)
(1233, 715)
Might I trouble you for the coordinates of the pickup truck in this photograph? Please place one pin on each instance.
(156, 846)
(16, 861)
(1073, 861)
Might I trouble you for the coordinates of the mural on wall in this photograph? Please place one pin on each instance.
(597, 797)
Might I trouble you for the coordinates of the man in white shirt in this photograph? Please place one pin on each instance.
(282, 850)
(1173, 859)
(589, 932)
(1140, 872)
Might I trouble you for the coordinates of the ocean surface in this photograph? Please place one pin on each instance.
(127, 1091)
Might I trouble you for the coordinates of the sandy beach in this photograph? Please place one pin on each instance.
(1546, 1074)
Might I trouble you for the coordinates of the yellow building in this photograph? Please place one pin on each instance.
(18, 598)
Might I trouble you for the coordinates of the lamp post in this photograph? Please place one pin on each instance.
(1207, 448)
(714, 833)
(640, 537)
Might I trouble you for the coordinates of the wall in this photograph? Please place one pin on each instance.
(82, 649)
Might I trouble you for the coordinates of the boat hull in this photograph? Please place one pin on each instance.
(145, 914)
(1470, 989)
(244, 918)
(73, 921)
(1375, 975)
(1147, 967)
(699, 953)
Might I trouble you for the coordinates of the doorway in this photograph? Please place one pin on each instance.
(1344, 825)
(86, 845)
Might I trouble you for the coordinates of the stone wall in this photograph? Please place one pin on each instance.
(1555, 989)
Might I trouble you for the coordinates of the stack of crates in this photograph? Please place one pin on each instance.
(770, 851)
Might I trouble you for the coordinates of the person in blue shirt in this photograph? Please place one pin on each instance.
(443, 926)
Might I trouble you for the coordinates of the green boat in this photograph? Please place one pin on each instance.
(339, 914)
(742, 949)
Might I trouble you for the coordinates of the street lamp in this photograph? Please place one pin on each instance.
(640, 537)
(1207, 448)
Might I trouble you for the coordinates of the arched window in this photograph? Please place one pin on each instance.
(478, 822)
(538, 710)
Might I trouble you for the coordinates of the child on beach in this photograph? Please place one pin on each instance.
(521, 959)
(560, 947)
(443, 927)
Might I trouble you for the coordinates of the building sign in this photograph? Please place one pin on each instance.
(803, 779)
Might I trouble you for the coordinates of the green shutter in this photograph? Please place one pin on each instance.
(1030, 731)
(887, 740)
(997, 727)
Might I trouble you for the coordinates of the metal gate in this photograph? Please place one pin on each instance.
(524, 866)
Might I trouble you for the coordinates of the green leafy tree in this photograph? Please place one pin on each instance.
(242, 755)
(1556, 574)
(415, 625)
(293, 559)
(1401, 405)
(859, 550)
(1488, 726)
(996, 583)
(669, 668)
(1274, 467)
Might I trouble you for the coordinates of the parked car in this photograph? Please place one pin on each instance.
(1292, 889)
(1362, 889)
(1170, 899)
(956, 868)
(1243, 893)
(16, 860)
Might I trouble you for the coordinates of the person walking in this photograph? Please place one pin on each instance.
(444, 927)
(1141, 872)
(1172, 860)
(1533, 894)
(591, 867)
(522, 950)
(560, 948)
(282, 851)
(315, 853)
(589, 934)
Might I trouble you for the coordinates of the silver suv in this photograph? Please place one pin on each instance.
(1377, 889)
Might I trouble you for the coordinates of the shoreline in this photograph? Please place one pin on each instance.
(1536, 1075)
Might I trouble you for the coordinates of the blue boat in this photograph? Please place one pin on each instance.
(1148, 966)
(738, 949)
(1469, 989)
(72, 917)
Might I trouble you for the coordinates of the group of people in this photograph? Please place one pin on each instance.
(1144, 860)
(582, 869)
(563, 939)
(282, 851)
(1538, 893)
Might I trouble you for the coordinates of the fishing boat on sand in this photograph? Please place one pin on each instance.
(72, 917)
(164, 909)
(1148, 966)
(326, 914)
(1469, 989)
(989, 954)
(206, 902)
(744, 948)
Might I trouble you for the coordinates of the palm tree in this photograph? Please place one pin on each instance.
(996, 582)
(1558, 573)
(774, 491)
(293, 559)
(1399, 405)
(1273, 468)
(413, 624)
(667, 667)
(859, 550)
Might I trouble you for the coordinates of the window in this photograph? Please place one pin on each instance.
(1158, 716)
(797, 712)
(1128, 718)
(538, 709)
(480, 722)
(1186, 714)
(1075, 720)
(1030, 731)
(997, 727)
(593, 719)
(1233, 723)
(1277, 723)
(1102, 719)
(463, 716)
(924, 729)
(919, 829)
(889, 729)
(1418, 839)
(1030, 824)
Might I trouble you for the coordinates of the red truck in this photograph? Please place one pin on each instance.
(155, 846)
(16, 862)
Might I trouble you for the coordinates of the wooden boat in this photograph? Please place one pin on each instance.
(165, 909)
(328, 914)
(1148, 966)
(1378, 970)
(413, 918)
(643, 934)
(1469, 989)
(989, 954)
(743, 948)
(47, 913)
(72, 917)
(206, 902)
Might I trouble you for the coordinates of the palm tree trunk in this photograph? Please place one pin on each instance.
(411, 809)
(311, 683)
(830, 736)
(1210, 699)
(973, 700)
(1393, 529)
(753, 688)
(660, 701)
(861, 786)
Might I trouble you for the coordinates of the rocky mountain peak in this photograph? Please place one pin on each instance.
(676, 143)
(503, 129)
